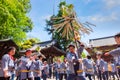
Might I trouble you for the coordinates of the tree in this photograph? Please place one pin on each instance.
(14, 23)
(66, 22)
(66, 25)
(62, 43)
(29, 43)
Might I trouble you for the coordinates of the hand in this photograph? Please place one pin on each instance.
(32, 58)
(40, 75)
(80, 60)
(107, 54)
(47, 73)
(103, 70)
(6, 74)
(38, 72)
(73, 58)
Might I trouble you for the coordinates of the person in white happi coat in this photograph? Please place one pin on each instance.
(7, 64)
(116, 52)
(100, 66)
(26, 67)
(63, 70)
(38, 68)
(88, 65)
(114, 72)
(75, 67)
(45, 70)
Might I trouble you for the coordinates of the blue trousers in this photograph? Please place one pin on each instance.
(71, 77)
(12, 77)
(80, 78)
(57, 75)
(44, 76)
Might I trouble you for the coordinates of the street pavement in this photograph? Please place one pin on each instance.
(86, 79)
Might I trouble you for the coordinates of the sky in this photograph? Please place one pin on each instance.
(105, 14)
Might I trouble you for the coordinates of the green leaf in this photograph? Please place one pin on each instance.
(14, 22)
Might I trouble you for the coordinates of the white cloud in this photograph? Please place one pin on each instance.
(99, 18)
(46, 17)
(103, 18)
(111, 3)
(87, 1)
(42, 19)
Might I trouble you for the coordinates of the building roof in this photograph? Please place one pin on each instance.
(5, 44)
(46, 43)
(52, 51)
(104, 44)
(105, 41)
(48, 48)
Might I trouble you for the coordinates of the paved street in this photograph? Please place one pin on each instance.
(88, 79)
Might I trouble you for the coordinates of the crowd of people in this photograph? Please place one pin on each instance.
(32, 67)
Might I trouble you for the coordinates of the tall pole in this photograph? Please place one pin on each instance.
(54, 7)
(74, 38)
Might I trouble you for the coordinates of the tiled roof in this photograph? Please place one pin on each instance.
(105, 41)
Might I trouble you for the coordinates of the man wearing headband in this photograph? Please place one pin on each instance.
(26, 67)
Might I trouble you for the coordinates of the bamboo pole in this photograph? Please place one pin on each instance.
(74, 38)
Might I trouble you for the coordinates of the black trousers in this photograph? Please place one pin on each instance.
(119, 72)
(50, 73)
(28, 79)
(75, 77)
(61, 76)
(89, 76)
(71, 77)
(113, 74)
(3, 78)
(100, 75)
(106, 75)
